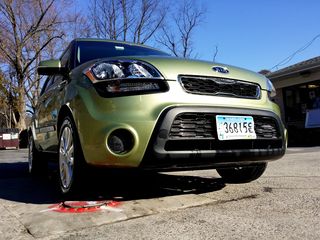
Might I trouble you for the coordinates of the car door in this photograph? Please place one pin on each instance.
(41, 113)
(47, 114)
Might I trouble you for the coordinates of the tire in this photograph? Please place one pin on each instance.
(71, 160)
(38, 165)
(243, 174)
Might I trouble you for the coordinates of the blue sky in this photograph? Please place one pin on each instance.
(258, 34)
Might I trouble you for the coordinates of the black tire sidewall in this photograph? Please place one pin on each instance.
(242, 175)
(78, 158)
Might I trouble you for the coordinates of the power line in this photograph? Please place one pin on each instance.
(289, 58)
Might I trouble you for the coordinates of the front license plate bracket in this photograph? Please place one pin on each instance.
(231, 127)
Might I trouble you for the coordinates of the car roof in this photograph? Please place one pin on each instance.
(112, 41)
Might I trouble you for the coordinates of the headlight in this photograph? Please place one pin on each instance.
(107, 71)
(271, 90)
(125, 77)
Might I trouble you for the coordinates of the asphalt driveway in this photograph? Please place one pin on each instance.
(283, 203)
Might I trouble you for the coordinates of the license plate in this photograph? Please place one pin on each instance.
(235, 127)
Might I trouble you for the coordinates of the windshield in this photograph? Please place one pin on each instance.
(87, 51)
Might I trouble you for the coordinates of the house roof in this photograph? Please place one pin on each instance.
(309, 64)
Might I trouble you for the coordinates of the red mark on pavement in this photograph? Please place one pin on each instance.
(84, 206)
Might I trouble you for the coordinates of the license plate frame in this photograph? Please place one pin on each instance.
(231, 127)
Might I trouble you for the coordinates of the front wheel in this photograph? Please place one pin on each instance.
(243, 174)
(71, 159)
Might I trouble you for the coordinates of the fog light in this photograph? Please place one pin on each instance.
(120, 141)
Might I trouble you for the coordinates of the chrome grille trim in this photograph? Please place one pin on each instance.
(223, 87)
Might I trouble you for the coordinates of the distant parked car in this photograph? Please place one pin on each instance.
(122, 105)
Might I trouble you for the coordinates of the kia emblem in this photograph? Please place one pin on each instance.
(220, 69)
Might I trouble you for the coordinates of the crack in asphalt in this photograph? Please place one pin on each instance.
(25, 228)
(253, 196)
(295, 188)
(267, 189)
(29, 232)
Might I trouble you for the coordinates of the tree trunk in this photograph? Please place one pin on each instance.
(21, 108)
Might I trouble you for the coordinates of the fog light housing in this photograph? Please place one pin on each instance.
(120, 141)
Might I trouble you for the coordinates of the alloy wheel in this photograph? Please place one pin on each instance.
(66, 158)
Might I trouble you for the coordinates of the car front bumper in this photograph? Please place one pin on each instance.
(169, 150)
(149, 117)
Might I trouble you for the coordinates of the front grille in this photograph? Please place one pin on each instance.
(266, 127)
(219, 87)
(193, 125)
(203, 125)
(191, 131)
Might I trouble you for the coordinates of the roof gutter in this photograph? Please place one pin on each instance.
(292, 73)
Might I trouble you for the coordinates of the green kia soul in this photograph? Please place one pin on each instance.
(122, 105)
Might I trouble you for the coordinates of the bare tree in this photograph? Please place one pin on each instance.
(149, 20)
(4, 109)
(105, 16)
(8, 101)
(78, 26)
(28, 28)
(74, 25)
(215, 53)
(185, 22)
(132, 20)
(125, 6)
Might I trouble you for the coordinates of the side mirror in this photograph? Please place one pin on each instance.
(51, 67)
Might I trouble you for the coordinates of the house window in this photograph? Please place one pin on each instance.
(298, 99)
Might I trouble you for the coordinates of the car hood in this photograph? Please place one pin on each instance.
(172, 67)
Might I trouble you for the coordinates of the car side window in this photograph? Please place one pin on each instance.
(47, 84)
(65, 58)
